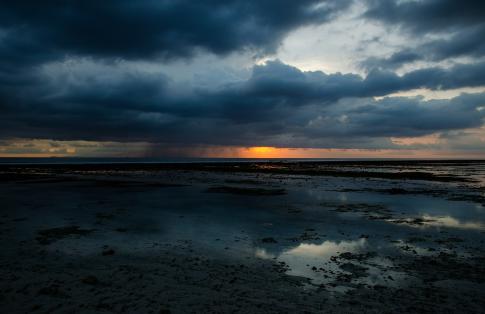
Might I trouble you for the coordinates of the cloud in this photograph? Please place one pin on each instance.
(33, 32)
(444, 29)
(278, 105)
(420, 17)
(405, 116)
(466, 43)
(277, 84)
(179, 73)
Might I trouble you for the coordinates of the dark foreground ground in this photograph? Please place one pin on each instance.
(273, 237)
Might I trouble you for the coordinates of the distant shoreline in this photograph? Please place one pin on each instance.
(202, 160)
(379, 169)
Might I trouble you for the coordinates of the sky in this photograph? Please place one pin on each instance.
(243, 78)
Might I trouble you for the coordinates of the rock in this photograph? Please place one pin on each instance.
(90, 280)
(269, 240)
(52, 291)
(35, 307)
(108, 252)
(104, 216)
(48, 236)
(356, 270)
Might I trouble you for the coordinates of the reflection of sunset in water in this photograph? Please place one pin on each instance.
(444, 221)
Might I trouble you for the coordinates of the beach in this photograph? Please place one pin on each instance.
(243, 237)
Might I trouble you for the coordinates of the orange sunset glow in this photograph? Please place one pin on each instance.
(49, 148)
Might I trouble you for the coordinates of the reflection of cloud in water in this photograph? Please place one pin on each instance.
(323, 251)
(261, 253)
(326, 249)
(451, 222)
(302, 258)
(445, 221)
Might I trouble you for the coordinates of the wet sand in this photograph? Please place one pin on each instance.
(272, 237)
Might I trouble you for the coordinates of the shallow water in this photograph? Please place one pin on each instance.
(307, 230)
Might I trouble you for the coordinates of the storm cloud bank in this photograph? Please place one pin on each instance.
(35, 31)
(71, 71)
(447, 29)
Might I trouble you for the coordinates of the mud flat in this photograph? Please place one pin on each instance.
(269, 237)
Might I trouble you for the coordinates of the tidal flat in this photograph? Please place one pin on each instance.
(243, 237)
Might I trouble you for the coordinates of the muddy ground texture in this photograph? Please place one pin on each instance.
(49, 263)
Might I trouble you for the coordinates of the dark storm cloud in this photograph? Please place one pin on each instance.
(276, 84)
(404, 116)
(426, 16)
(461, 22)
(360, 123)
(277, 105)
(468, 43)
(392, 62)
(64, 74)
(35, 31)
(283, 84)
